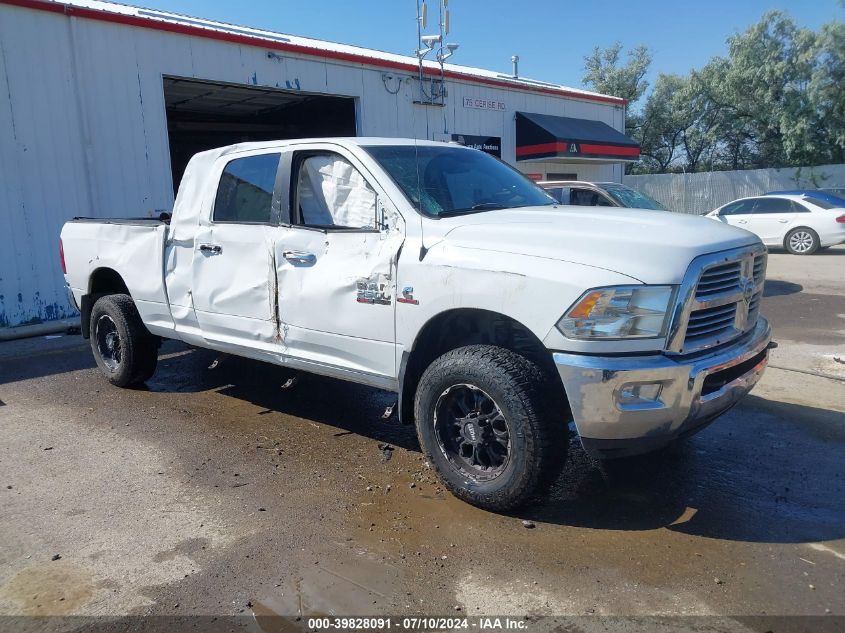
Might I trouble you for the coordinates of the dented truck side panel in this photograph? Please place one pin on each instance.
(232, 284)
(338, 307)
(135, 251)
(528, 290)
(336, 288)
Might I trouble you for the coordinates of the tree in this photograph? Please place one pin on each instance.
(826, 90)
(776, 99)
(606, 73)
(659, 127)
(712, 123)
(765, 85)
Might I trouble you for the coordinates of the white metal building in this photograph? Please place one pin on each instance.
(101, 105)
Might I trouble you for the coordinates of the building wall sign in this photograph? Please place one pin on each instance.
(484, 104)
(487, 144)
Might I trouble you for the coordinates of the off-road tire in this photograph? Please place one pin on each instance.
(813, 236)
(138, 348)
(533, 405)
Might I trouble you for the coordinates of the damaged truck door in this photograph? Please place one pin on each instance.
(232, 272)
(336, 262)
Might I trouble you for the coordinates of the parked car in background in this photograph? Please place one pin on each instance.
(802, 224)
(837, 201)
(599, 194)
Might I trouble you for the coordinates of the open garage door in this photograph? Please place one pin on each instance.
(202, 115)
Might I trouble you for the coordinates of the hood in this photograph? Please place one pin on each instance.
(654, 247)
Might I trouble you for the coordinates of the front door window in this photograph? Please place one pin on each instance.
(330, 192)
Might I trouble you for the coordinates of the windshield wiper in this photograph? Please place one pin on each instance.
(476, 208)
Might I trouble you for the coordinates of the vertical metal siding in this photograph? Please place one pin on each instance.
(83, 128)
(42, 165)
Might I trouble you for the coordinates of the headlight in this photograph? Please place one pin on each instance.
(618, 312)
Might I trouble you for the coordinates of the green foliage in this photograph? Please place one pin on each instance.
(776, 100)
(606, 73)
(660, 126)
(827, 88)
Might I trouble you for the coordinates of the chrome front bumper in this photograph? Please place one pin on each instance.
(680, 394)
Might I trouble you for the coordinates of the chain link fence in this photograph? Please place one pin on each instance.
(702, 192)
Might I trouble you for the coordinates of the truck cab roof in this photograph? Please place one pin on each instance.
(360, 141)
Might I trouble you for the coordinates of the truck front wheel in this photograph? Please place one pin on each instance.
(491, 425)
(125, 351)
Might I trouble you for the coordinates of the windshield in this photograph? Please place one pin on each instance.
(632, 198)
(442, 181)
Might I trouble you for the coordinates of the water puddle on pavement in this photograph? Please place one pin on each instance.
(341, 582)
(51, 588)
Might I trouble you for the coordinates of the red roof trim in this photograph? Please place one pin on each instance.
(183, 29)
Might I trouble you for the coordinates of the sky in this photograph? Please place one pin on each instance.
(550, 37)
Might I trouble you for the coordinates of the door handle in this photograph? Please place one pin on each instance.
(214, 249)
(300, 257)
(742, 221)
(783, 221)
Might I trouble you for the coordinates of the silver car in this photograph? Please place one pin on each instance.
(599, 194)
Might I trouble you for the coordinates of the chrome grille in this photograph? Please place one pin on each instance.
(759, 268)
(710, 322)
(718, 280)
(754, 307)
(719, 299)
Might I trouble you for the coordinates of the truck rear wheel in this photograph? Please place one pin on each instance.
(490, 424)
(124, 350)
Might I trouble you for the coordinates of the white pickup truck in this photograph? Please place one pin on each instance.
(440, 273)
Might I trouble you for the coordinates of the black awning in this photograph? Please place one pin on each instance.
(547, 136)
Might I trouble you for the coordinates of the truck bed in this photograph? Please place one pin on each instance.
(131, 247)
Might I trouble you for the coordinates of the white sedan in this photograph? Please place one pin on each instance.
(800, 224)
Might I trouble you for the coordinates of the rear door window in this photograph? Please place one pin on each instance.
(772, 205)
(245, 192)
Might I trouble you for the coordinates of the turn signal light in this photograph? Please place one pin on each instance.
(583, 308)
(841, 219)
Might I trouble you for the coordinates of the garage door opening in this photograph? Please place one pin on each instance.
(202, 115)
